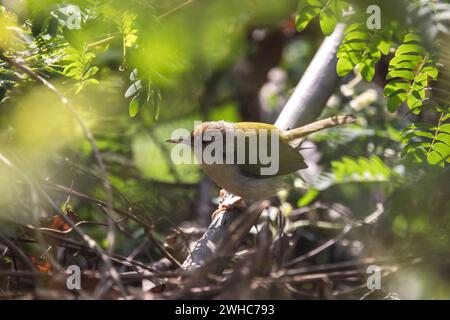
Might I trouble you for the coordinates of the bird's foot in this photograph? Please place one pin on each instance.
(227, 201)
(216, 213)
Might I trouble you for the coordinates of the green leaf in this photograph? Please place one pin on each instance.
(396, 86)
(362, 47)
(134, 75)
(384, 46)
(427, 142)
(304, 17)
(442, 149)
(361, 169)
(329, 13)
(367, 69)
(430, 70)
(444, 128)
(418, 133)
(343, 67)
(412, 37)
(401, 73)
(133, 89)
(394, 101)
(133, 108)
(156, 98)
(413, 49)
(328, 21)
(308, 197)
(409, 74)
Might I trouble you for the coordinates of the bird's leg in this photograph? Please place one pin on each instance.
(230, 201)
(227, 201)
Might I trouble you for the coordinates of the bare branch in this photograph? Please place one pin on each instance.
(315, 87)
(17, 251)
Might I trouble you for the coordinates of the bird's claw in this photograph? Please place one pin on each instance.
(227, 201)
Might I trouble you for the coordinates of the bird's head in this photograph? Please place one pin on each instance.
(200, 133)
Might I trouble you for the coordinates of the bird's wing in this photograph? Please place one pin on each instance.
(288, 158)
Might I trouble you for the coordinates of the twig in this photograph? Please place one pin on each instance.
(17, 251)
(343, 265)
(320, 248)
(87, 133)
(91, 174)
(129, 276)
(98, 202)
(161, 248)
(102, 41)
(110, 270)
(143, 223)
(125, 261)
(175, 9)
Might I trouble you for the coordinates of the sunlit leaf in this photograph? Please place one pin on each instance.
(409, 74)
(133, 108)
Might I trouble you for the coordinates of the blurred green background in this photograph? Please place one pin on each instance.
(136, 70)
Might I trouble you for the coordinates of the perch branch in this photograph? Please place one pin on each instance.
(315, 87)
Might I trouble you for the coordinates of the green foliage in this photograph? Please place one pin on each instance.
(129, 33)
(201, 59)
(8, 80)
(141, 93)
(361, 169)
(363, 48)
(77, 66)
(426, 11)
(128, 29)
(410, 72)
(426, 142)
(133, 108)
(348, 170)
(329, 12)
(308, 197)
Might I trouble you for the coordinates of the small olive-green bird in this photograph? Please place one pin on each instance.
(246, 179)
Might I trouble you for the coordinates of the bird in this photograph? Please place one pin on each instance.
(246, 179)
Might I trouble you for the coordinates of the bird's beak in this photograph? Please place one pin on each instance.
(180, 140)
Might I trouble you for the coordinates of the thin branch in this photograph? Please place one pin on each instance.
(320, 248)
(17, 251)
(109, 268)
(178, 7)
(144, 224)
(87, 133)
(65, 242)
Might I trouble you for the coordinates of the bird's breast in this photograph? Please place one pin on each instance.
(231, 179)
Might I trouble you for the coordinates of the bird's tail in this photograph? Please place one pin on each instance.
(296, 134)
